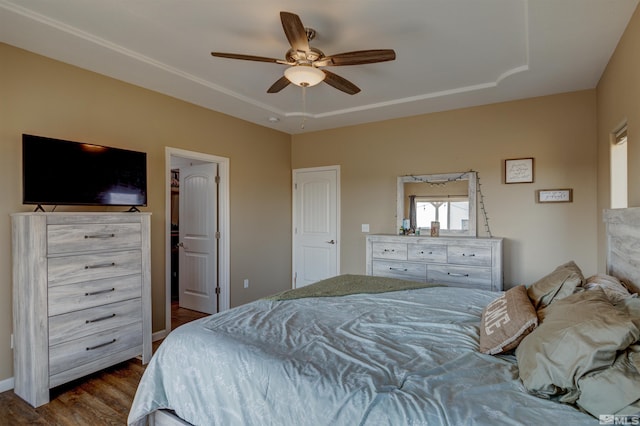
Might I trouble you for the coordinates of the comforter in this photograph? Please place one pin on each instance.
(406, 357)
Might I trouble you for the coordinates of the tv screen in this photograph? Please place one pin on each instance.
(60, 172)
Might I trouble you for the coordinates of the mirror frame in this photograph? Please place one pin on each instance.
(470, 176)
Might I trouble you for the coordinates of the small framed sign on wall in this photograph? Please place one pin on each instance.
(518, 170)
(564, 195)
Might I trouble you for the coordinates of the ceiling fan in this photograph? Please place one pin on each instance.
(305, 61)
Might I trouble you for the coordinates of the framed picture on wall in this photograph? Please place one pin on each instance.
(518, 170)
(564, 195)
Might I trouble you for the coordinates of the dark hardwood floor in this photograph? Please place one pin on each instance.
(103, 398)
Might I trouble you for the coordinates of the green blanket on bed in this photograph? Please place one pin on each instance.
(343, 285)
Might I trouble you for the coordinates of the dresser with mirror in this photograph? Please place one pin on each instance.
(456, 256)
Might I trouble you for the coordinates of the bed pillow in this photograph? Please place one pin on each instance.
(560, 283)
(615, 290)
(614, 389)
(576, 336)
(506, 321)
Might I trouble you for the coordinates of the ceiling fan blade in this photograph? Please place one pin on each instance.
(247, 57)
(279, 85)
(295, 32)
(340, 83)
(359, 57)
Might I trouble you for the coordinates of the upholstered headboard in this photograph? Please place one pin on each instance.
(623, 245)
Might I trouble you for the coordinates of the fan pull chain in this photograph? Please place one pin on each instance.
(304, 106)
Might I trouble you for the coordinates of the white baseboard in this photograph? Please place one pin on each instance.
(6, 384)
(159, 335)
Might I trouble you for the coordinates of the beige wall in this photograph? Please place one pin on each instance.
(618, 102)
(559, 132)
(49, 98)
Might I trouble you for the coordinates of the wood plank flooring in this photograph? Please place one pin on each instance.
(103, 398)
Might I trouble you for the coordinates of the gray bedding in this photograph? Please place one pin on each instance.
(407, 357)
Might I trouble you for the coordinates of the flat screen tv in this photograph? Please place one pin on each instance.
(60, 172)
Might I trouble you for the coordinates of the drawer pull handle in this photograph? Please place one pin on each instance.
(100, 265)
(457, 275)
(101, 236)
(389, 251)
(423, 252)
(94, 293)
(100, 319)
(468, 255)
(90, 348)
(398, 269)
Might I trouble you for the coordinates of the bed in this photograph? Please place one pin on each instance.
(374, 351)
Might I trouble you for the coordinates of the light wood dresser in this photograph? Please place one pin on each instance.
(456, 261)
(81, 296)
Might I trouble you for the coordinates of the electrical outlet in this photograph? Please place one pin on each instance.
(246, 283)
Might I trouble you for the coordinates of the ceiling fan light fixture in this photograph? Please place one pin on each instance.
(304, 75)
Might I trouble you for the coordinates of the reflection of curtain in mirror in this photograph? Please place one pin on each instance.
(412, 212)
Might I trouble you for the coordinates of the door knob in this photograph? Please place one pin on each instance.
(331, 242)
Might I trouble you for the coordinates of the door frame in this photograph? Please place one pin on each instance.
(223, 226)
(294, 248)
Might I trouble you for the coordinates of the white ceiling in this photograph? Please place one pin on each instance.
(450, 53)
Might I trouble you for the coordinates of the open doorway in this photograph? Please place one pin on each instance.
(205, 224)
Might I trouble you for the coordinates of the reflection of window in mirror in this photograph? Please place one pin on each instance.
(451, 213)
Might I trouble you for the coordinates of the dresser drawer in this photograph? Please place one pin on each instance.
(74, 325)
(404, 270)
(102, 345)
(78, 296)
(92, 236)
(428, 252)
(390, 251)
(73, 269)
(469, 255)
(460, 275)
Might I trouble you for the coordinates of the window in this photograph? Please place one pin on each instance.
(451, 213)
(619, 168)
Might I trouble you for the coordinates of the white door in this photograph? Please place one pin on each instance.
(197, 261)
(316, 239)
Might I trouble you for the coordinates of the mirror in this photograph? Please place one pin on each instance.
(449, 198)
